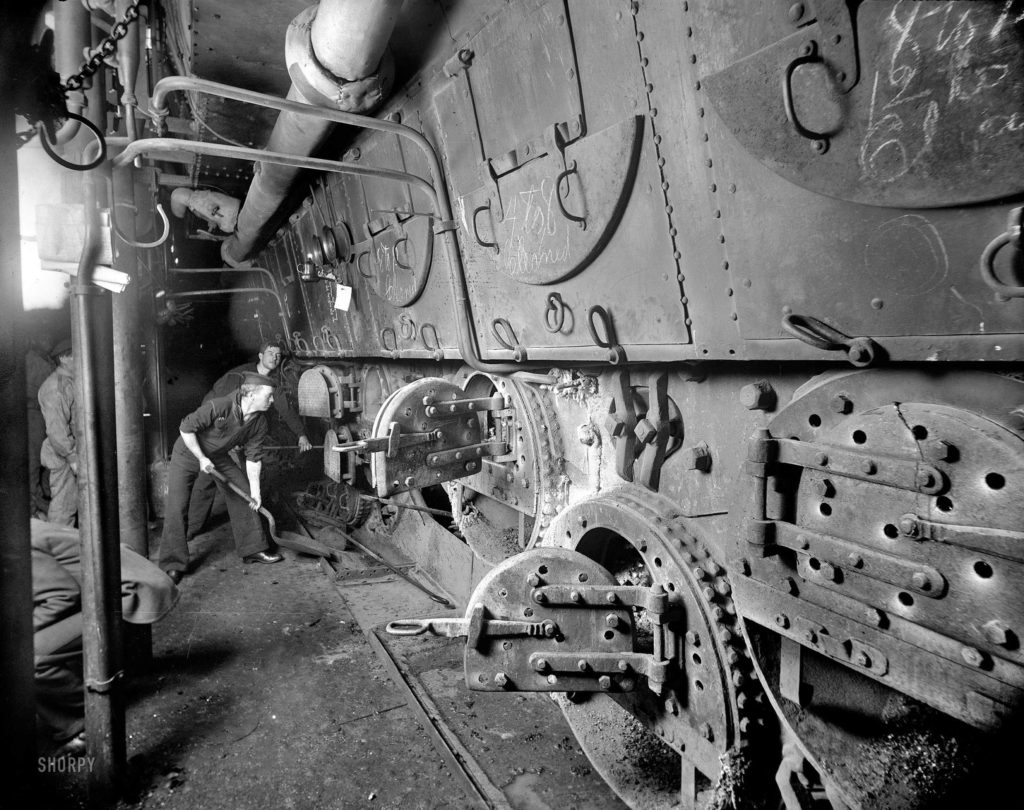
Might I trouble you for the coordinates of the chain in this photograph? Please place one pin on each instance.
(105, 49)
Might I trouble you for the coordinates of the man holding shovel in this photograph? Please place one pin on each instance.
(207, 436)
(268, 363)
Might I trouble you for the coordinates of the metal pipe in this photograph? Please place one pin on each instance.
(128, 401)
(193, 271)
(101, 576)
(129, 404)
(128, 67)
(17, 696)
(165, 145)
(192, 84)
(468, 346)
(71, 32)
(203, 293)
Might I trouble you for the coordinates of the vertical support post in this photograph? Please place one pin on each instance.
(17, 743)
(128, 407)
(97, 491)
(129, 373)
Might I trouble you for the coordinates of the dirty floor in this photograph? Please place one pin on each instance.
(266, 691)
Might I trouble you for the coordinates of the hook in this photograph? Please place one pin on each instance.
(860, 351)
(569, 169)
(476, 233)
(554, 313)
(131, 242)
(610, 341)
(506, 336)
(435, 350)
(76, 167)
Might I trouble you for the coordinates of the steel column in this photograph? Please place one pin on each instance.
(128, 404)
(97, 517)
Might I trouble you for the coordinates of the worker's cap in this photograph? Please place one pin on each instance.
(252, 378)
(63, 347)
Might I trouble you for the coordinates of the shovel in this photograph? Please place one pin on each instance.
(296, 542)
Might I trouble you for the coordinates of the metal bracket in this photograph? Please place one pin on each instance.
(389, 444)
(837, 31)
(911, 475)
(653, 432)
(476, 628)
(849, 651)
(621, 424)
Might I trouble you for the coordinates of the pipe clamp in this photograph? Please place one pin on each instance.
(321, 87)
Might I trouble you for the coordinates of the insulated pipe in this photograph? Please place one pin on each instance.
(349, 37)
(347, 42)
(71, 31)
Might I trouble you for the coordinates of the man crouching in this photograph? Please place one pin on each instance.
(208, 434)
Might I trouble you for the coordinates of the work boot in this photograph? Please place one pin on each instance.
(262, 557)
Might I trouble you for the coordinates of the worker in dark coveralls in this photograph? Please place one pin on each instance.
(147, 594)
(59, 451)
(38, 366)
(208, 434)
(268, 363)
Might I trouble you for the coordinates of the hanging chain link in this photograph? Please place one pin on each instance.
(105, 48)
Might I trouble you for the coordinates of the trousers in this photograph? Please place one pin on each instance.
(63, 490)
(182, 472)
(60, 692)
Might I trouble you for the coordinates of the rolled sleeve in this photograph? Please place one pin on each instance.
(200, 419)
(253, 447)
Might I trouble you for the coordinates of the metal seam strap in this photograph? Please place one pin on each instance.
(103, 687)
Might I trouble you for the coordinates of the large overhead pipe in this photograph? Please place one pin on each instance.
(337, 58)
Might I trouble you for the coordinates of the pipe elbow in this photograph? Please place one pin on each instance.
(319, 86)
(226, 247)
